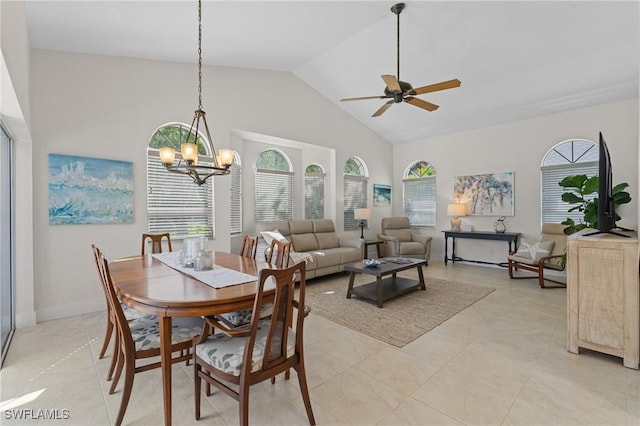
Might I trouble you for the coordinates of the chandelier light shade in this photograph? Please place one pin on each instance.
(363, 215)
(456, 210)
(188, 163)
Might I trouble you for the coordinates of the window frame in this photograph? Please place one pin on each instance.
(355, 182)
(270, 181)
(552, 208)
(424, 179)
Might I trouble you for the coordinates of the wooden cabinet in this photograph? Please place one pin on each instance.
(603, 298)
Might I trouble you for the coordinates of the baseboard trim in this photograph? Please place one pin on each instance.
(70, 309)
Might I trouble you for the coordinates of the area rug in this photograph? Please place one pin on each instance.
(402, 319)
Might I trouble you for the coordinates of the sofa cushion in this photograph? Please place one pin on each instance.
(327, 240)
(304, 242)
(300, 227)
(326, 258)
(412, 247)
(403, 235)
(324, 225)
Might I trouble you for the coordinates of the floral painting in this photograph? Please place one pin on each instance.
(86, 190)
(381, 195)
(488, 195)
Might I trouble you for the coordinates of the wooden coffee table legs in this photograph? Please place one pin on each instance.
(383, 289)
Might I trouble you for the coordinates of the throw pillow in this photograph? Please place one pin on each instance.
(272, 235)
(535, 250)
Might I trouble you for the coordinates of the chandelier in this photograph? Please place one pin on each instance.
(188, 164)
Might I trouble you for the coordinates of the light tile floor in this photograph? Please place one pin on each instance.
(502, 361)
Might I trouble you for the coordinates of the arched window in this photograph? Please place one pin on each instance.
(571, 157)
(274, 187)
(314, 192)
(174, 203)
(236, 195)
(355, 190)
(419, 194)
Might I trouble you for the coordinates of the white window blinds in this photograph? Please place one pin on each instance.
(314, 196)
(274, 195)
(236, 199)
(554, 210)
(175, 204)
(355, 197)
(419, 200)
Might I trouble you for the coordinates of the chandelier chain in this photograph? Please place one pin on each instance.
(199, 54)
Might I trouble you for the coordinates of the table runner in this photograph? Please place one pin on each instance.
(218, 277)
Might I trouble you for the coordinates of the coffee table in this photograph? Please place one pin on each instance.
(385, 288)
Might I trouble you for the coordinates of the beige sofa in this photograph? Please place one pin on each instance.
(317, 241)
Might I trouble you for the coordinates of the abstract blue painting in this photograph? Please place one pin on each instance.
(85, 190)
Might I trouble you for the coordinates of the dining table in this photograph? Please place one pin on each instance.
(151, 286)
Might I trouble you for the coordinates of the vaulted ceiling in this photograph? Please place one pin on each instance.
(516, 59)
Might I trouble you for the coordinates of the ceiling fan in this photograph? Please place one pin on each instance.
(401, 91)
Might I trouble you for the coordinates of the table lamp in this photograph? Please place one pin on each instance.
(363, 215)
(456, 210)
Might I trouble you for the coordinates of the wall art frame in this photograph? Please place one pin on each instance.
(85, 190)
(489, 194)
(381, 195)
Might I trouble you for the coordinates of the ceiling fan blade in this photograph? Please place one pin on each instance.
(383, 108)
(362, 98)
(449, 84)
(421, 103)
(392, 83)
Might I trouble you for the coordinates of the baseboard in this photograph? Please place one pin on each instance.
(70, 309)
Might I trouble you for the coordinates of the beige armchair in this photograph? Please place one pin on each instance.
(400, 240)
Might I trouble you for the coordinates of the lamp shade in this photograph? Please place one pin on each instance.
(362, 214)
(456, 210)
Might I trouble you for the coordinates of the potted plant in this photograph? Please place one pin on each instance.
(579, 188)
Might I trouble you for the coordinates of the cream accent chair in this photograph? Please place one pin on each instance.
(400, 240)
(527, 259)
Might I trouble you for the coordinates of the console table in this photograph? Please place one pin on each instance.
(510, 237)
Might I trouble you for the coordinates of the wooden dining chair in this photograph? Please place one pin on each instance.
(249, 246)
(129, 313)
(282, 250)
(140, 339)
(266, 348)
(156, 242)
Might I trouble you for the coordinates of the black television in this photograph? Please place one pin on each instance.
(606, 206)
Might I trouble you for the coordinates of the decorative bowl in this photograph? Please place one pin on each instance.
(371, 263)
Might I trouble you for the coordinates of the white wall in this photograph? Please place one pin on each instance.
(520, 147)
(108, 107)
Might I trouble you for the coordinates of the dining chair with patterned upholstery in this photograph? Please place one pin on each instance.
(156, 242)
(242, 317)
(265, 348)
(140, 339)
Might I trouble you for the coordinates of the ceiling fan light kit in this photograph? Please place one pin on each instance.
(401, 91)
